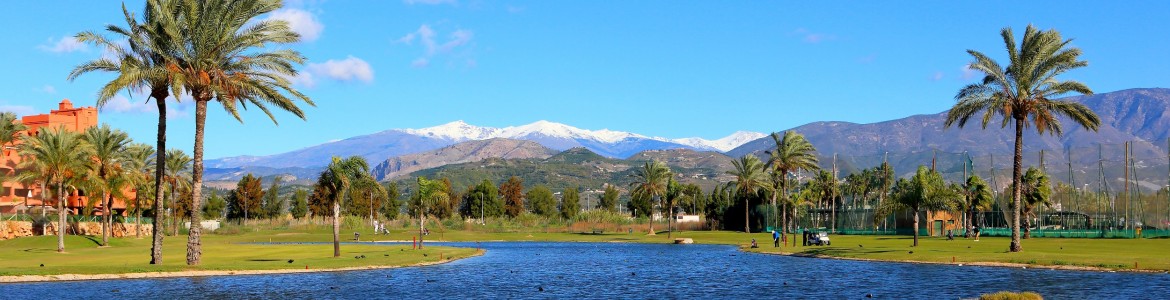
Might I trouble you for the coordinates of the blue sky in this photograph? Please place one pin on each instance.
(660, 68)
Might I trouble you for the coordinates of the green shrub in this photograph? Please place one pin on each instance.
(1011, 296)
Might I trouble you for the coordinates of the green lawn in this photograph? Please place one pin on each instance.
(24, 256)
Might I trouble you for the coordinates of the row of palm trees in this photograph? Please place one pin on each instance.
(202, 51)
(1021, 94)
(101, 162)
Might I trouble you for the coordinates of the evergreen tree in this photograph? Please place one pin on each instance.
(215, 206)
(541, 200)
(609, 199)
(393, 206)
(570, 203)
(300, 205)
(273, 205)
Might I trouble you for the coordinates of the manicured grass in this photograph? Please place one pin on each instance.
(24, 256)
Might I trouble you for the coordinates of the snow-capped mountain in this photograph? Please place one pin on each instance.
(395, 142)
(461, 131)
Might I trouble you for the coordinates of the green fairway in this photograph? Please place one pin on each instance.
(24, 256)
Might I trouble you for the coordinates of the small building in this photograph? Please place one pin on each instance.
(685, 218)
(17, 196)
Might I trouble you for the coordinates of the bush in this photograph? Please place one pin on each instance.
(1011, 296)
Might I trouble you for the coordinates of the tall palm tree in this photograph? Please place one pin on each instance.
(979, 198)
(226, 57)
(178, 176)
(140, 162)
(107, 167)
(432, 195)
(142, 66)
(1023, 95)
(651, 180)
(749, 177)
(792, 153)
(1037, 190)
(56, 156)
(337, 179)
(825, 190)
(926, 191)
(10, 131)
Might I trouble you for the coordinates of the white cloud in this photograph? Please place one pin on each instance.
(428, 2)
(64, 45)
(301, 22)
(49, 89)
(351, 68)
(432, 47)
(420, 63)
(19, 110)
(968, 73)
(123, 105)
(937, 76)
(813, 37)
(348, 69)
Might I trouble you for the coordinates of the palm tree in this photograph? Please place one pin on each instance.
(979, 198)
(825, 190)
(141, 165)
(1023, 93)
(10, 130)
(107, 168)
(651, 180)
(431, 195)
(226, 57)
(1036, 191)
(749, 177)
(926, 191)
(337, 179)
(56, 156)
(792, 153)
(142, 65)
(178, 176)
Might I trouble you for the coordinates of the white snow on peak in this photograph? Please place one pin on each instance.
(461, 131)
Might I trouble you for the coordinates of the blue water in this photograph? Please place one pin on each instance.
(616, 270)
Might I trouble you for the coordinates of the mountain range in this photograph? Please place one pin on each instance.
(1138, 115)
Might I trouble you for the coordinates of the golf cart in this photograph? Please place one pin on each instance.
(820, 239)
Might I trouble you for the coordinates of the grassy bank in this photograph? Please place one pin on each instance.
(24, 256)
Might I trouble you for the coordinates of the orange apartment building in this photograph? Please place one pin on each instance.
(18, 197)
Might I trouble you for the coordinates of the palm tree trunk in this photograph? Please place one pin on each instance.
(106, 219)
(159, 167)
(137, 219)
(336, 229)
(174, 211)
(969, 220)
(1017, 165)
(915, 226)
(422, 221)
(194, 247)
(746, 216)
(60, 219)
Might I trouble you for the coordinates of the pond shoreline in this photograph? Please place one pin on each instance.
(968, 263)
(204, 273)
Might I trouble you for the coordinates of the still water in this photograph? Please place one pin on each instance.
(512, 270)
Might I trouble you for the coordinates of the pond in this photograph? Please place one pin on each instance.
(616, 270)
